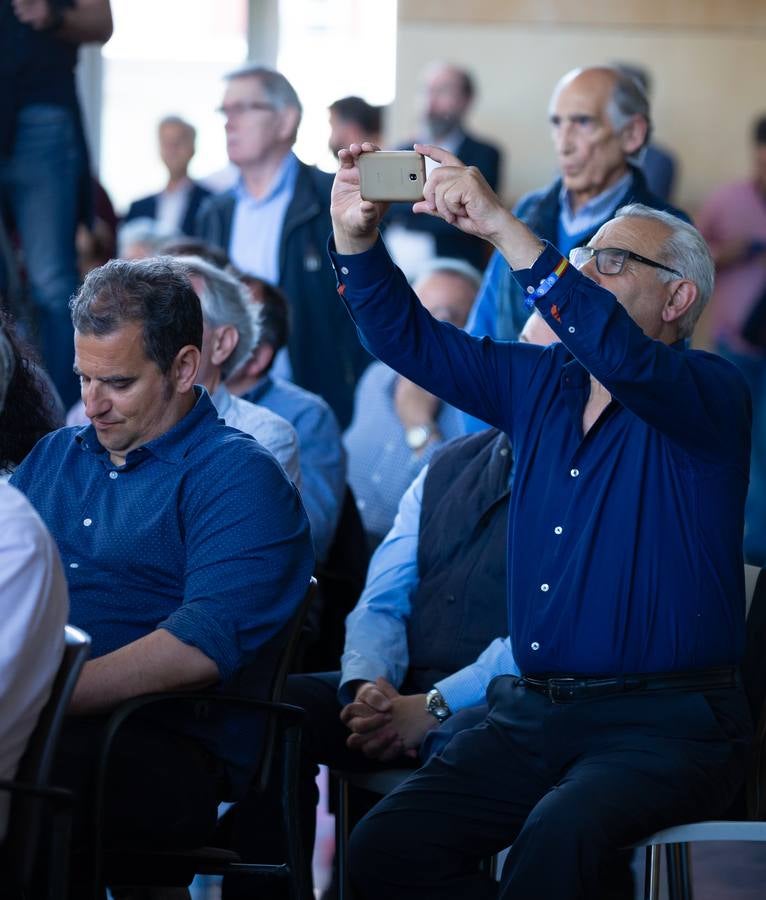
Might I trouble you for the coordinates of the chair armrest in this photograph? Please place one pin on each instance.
(54, 794)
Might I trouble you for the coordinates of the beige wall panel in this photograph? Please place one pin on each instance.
(708, 87)
(681, 13)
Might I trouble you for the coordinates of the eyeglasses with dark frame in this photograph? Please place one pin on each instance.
(238, 109)
(611, 260)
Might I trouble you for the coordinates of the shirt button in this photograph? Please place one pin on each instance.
(534, 645)
(343, 270)
(574, 472)
(504, 451)
(74, 565)
(376, 478)
(558, 529)
(571, 329)
(545, 587)
(113, 475)
(87, 522)
(530, 289)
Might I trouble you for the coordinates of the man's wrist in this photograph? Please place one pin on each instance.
(350, 244)
(436, 705)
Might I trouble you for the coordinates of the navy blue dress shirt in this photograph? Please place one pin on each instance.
(625, 544)
(199, 533)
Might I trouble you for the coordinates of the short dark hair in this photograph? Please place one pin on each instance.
(275, 310)
(358, 111)
(155, 292)
(194, 246)
(759, 130)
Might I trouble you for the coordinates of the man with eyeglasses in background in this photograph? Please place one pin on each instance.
(274, 224)
(625, 568)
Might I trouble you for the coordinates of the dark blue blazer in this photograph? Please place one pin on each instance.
(146, 208)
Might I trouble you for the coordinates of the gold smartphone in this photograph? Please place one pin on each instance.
(387, 175)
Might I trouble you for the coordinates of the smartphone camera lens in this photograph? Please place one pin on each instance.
(413, 176)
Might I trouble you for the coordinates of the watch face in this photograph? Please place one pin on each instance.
(417, 437)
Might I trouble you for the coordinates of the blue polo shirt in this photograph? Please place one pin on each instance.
(199, 533)
(624, 544)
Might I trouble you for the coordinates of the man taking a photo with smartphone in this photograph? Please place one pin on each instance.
(626, 593)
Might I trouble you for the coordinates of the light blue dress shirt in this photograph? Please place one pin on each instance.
(323, 459)
(257, 227)
(376, 630)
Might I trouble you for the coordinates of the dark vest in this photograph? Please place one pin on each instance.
(460, 604)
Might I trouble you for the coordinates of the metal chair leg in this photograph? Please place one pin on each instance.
(652, 873)
(679, 872)
(341, 851)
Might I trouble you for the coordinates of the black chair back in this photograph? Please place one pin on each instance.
(754, 679)
(28, 810)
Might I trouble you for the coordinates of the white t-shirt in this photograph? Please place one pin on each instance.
(34, 607)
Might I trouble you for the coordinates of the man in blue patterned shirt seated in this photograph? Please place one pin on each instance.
(185, 546)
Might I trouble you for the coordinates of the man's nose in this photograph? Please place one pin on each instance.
(94, 399)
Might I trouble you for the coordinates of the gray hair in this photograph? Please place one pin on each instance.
(629, 99)
(685, 251)
(142, 230)
(279, 92)
(7, 366)
(449, 266)
(190, 130)
(226, 301)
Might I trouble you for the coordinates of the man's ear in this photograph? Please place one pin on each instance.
(225, 339)
(287, 123)
(185, 367)
(633, 135)
(684, 295)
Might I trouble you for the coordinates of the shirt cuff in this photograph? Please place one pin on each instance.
(461, 690)
(360, 270)
(530, 280)
(203, 631)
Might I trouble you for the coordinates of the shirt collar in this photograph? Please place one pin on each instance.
(256, 394)
(173, 445)
(222, 400)
(599, 207)
(282, 182)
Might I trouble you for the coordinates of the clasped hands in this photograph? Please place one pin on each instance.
(385, 724)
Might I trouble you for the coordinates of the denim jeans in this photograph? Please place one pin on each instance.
(39, 186)
(754, 370)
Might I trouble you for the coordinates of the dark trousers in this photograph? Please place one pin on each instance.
(162, 789)
(250, 826)
(566, 785)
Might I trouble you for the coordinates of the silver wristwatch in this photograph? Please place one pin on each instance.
(418, 436)
(436, 705)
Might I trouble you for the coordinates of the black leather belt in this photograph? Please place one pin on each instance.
(567, 689)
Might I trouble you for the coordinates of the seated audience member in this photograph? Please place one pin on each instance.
(185, 546)
(175, 208)
(323, 459)
(600, 121)
(231, 331)
(625, 593)
(733, 222)
(352, 121)
(30, 409)
(415, 654)
(33, 606)
(449, 93)
(386, 450)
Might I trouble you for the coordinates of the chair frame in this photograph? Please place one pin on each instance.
(33, 797)
(282, 731)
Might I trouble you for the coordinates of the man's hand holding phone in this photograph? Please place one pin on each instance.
(355, 221)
